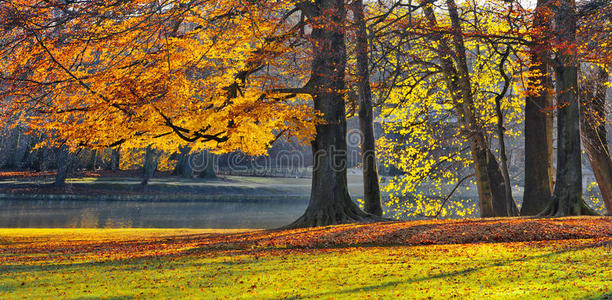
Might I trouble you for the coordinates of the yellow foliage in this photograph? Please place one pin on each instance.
(423, 137)
(141, 72)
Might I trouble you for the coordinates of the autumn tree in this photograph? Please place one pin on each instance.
(139, 73)
(592, 95)
(144, 74)
(445, 72)
(371, 187)
(538, 115)
(567, 196)
(594, 37)
(330, 202)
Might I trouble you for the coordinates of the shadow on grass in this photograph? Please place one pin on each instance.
(262, 252)
(464, 272)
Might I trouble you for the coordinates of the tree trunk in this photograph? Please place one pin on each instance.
(593, 131)
(93, 158)
(64, 166)
(330, 202)
(567, 197)
(371, 188)
(458, 84)
(459, 94)
(150, 164)
(13, 148)
(38, 157)
(114, 159)
(206, 166)
(508, 205)
(503, 203)
(183, 164)
(476, 136)
(538, 123)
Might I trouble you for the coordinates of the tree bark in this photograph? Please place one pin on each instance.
(509, 206)
(64, 166)
(593, 131)
(330, 202)
(150, 164)
(538, 123)
(206, 165)
(93, 159)
(503, 203)
(183, 165)
(115, 159)
(371, 188)
(14, 137)
(567, 197)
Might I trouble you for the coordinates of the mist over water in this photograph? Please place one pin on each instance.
(128, 214)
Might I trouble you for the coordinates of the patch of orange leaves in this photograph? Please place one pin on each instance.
(24, 174)
(40, 251)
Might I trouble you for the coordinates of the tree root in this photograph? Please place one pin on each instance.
(333, 216)
(554, 209)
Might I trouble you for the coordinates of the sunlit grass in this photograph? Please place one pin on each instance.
(101, 263)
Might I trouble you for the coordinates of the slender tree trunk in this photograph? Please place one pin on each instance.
(371, 186)
(330, 202)
(36, 156)
(150, 164)
(509, 204)
(567, 197)
(593, 131)
(458, 84)
(538, 123)
(477, 139)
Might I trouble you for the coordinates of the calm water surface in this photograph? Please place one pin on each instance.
(120, 214)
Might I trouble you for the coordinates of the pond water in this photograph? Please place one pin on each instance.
(122, 214)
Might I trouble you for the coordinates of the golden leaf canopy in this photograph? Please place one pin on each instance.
(103, 73)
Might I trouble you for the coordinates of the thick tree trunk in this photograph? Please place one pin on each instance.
(14, 137)
(64, 166)
(567, 197)
(93, 159)
(183, 165)
(150, 164)
(330, 202)
(115, 159)
(371, 188)
(593, 131)
(538, 123)
(205, 166)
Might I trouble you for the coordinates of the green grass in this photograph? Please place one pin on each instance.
(39, 264)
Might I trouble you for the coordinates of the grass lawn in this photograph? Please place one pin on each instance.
(570, 258)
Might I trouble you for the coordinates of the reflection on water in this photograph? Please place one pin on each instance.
(117, 214)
